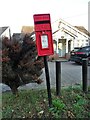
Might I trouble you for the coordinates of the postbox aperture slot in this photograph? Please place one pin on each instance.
(44, 41)
(42, 22)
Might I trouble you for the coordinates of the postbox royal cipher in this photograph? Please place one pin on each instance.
(43, 32)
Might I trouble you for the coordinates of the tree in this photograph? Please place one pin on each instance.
(20, 63)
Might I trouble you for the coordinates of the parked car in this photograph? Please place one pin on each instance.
(72, 53)
(83, 52)
(74, 50)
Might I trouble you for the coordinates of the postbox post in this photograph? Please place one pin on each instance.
(44, 44)
(48, 81)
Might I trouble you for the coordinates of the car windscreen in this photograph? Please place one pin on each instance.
(86, 49)
(76, 49)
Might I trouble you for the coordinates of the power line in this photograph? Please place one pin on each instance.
(73, 16)
(77, 15)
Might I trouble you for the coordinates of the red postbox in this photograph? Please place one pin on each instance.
(43, 32)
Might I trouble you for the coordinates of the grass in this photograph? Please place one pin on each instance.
(72, 103)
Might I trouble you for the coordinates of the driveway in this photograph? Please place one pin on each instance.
(71, 74)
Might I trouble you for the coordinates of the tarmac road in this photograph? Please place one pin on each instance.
(71, 74)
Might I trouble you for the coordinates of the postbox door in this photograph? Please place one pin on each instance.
(44, 43)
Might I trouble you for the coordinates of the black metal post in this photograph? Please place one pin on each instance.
(48, 81)
(58, 78)
(84, 75)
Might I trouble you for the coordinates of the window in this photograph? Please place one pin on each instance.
(86, 43)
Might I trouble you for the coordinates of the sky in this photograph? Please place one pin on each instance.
(18, 13)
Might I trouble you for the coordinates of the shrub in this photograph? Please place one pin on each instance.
(20, 62)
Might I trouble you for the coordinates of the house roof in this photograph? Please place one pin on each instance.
(20, 36)
(16, 36)
(82, 29)
(27, 29)
(2, 29)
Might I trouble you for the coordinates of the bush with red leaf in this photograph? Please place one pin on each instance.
(20, 63)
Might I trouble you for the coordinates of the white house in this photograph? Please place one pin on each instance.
(66, 37)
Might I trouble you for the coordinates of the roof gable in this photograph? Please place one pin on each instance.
(2, 29)
(68, 28)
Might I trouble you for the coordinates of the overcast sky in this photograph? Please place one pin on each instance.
(16, 13)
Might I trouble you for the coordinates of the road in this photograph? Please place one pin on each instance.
(71, 74)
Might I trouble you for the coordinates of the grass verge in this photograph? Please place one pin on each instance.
(72, 103)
